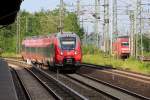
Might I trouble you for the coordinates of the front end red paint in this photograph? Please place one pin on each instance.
(71, 57)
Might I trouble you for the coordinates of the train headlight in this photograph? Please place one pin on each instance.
(61, 53)
(75, 52)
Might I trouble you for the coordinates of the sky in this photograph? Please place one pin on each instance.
(36, 5)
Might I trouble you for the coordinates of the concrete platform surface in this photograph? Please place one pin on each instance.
(7, 88)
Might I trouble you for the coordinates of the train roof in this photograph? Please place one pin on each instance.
(37, 37)
(66, 34)
(123, 36)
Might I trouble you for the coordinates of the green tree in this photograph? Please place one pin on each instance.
(71, 24)
(39, 23)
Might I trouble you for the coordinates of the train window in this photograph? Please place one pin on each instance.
(40, 51)
(46, 51)
(125, 44)
(68, 43)
(27, 49)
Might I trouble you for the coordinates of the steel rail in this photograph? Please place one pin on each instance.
(57, 97)
(100, 67)
(64, 87)
(115, 87)
(106, 94)
(27, 95)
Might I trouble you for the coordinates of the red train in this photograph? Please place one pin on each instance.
(121, 47)
(56, 50)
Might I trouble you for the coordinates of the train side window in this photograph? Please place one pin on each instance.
(40, 51)
(27, 49)
(45, 51)
(48, 51)
(31, 49)
(36, 50)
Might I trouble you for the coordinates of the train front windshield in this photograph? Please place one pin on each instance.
(68, 43)
(125, 44)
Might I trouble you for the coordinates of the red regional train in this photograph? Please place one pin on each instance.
(121, 47)
(60, 50)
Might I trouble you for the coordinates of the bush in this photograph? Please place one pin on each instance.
(90, 50)
(10, 54)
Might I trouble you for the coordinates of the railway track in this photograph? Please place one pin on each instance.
(35, 89)
(111, 70)
(132, 83)
(125, 93)
(116, 93)
(88, 91)
(144, 58)
(82, 90)
(22, 92)
(56, 88)
(60, 90)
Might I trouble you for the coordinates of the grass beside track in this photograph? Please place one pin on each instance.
(10, 54)
(128, 64)
(99, 59)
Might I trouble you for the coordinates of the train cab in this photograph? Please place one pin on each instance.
(122, 47)
(68, 50)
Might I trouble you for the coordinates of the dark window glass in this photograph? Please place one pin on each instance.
(67, 43)
(125, 44)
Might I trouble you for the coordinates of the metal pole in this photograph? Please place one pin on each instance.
(142, 52)
(26, 24)
(78, 9)
(131, 32)
(96, 24)
(141, 37)
(114, 26)
(106, 25)
(61, 16)
(135, 30)
(18, 35)
(137, 13)
(19, 31)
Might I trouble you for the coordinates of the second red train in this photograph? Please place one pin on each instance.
(121, 47)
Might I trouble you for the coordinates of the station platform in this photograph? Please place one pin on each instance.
(7, 88)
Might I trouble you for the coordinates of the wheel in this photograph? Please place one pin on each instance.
(51, 66)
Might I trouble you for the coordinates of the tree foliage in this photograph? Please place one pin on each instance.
(39, 23)
(146, 44)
